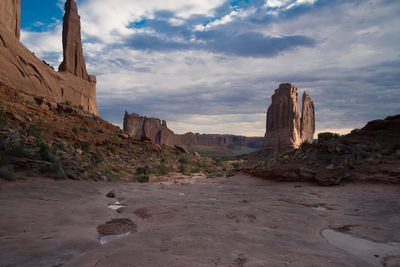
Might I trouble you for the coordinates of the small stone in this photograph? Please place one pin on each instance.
(111, 194)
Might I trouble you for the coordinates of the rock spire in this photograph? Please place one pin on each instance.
(74, 61)
(10, 16)
(285, 129)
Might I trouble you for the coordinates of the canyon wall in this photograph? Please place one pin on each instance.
(23, 71)
(10, 16)
(157, 130)
(285, 130)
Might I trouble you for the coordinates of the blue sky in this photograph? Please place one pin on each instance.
(211, 66)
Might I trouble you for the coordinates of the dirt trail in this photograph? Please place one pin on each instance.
(237, 221)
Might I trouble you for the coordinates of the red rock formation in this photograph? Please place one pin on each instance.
(73, 62)
(307, 122)
(228, 140)
(23, 71)
(155, 129)
(10, 16)
(158, 132)
(285, 130)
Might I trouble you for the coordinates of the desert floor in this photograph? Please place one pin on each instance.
(236, 221)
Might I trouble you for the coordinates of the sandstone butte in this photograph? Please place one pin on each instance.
(158, 132)
(23, 71)
(285, 130)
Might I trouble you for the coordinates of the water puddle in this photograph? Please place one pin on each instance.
(319, 208)
(116, 205)
(108, 238)
(367, 250)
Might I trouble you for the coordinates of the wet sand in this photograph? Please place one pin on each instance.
(236, 221)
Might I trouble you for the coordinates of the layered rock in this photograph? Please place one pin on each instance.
(155, 129)
(10, 16)
(158, 132)
(73, 62)
(22, 70)
(285, 130)
(228, 140)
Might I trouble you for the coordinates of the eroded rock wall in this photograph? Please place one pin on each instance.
(10, 16)
(285, 130)
(157, 130)
(23, 71)
(228, 140)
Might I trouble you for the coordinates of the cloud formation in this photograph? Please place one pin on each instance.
(212, 66)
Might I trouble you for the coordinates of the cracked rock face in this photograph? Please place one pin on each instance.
(285, 129)
(74, 61)
(10, 16)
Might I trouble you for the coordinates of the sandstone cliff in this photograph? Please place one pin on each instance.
(228, 140)
(23, 71)
(157, 130)
(10, 16)
(285, 129)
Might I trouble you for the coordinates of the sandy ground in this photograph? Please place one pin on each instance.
(236, 221)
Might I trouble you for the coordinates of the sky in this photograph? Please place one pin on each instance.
(211, 66)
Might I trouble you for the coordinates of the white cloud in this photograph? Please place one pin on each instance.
(108, 19)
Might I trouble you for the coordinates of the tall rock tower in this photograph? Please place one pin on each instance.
(285, 129)
(10, 16)
(74, 61)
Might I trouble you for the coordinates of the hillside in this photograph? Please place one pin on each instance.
(39, 137)
(370, 154)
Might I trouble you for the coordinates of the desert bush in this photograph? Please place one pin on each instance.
(44, 152)
(75, 130)
(142, 178)
(3, 118)
(35, 131)
(162, 170)
(305, 144)
(111, 148)
(183, 160)
(396, 146)
(54, 170)
(17, 151)
(7, 173)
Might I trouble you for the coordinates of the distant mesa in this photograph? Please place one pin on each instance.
(158, 132)
(23, 71)
(285, 129)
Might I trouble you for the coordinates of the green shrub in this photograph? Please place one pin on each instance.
(143, 170)
(142, 178)
(17, 151)
(44, 152)
(54, 170)
(183, 160)
(75, 130)
(35, 131)
(162, 170)
(111, 148)
(7, 173)
(3, 118)
(83, 129)
(236, 165)
(305, 144)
